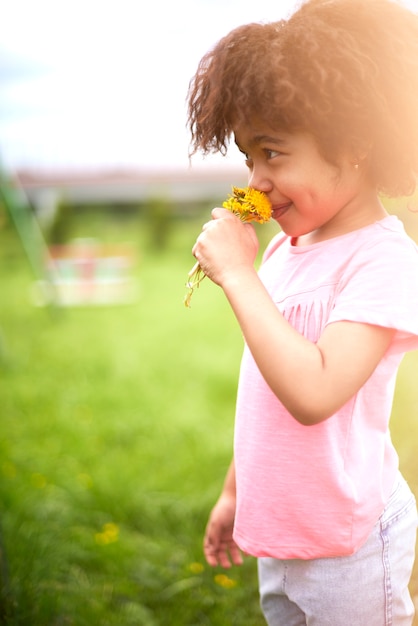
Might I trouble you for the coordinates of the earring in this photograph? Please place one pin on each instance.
(356, 166)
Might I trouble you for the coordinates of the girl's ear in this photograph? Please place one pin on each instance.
(359, 156)
(360, 153)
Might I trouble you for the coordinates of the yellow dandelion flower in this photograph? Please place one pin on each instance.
(8, 469)
(109, 534)
(196, 568)
(249, 205)
(224, 581)
(38, 481)
(85, 480)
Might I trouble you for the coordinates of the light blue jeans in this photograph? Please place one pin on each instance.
(368, 588)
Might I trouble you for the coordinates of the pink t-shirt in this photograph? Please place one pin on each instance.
(316, 491)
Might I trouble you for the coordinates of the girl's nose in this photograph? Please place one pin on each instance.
(258, 179)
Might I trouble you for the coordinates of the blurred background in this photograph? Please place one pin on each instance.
(116, 401)
(87, 86)
(93, 105)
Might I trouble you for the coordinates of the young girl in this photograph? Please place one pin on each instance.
(324, 107)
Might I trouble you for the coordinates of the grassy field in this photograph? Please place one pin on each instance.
(116, 432)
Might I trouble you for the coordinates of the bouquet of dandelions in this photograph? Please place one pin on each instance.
(249, 205)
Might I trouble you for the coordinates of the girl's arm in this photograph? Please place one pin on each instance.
(218, 545)
(312, 380)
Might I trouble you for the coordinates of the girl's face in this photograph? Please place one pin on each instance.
(312, 200)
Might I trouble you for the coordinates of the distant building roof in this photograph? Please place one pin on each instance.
(122, 186)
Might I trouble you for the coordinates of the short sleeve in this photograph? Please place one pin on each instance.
(380, 286)
(277, 241)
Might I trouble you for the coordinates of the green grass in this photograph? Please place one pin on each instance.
(116, 432)
(118, 416)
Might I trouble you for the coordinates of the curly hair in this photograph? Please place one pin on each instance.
(345, 71)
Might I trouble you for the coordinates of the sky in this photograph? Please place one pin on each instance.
(93, 84)
(89, 84)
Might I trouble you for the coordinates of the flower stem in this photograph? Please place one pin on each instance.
(250, 205)
(195, 277)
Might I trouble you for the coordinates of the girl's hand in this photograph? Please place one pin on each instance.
(219, 546)
(225, 246)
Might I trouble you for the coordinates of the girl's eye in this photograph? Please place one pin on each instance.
(271, 154)
(248, 161)
(268, 155)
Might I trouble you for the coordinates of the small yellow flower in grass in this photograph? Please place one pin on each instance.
(8, 469)
(38, 480)
(109, 534)
(224, 581)
(249, 205)
(196, 568)
(85, 480)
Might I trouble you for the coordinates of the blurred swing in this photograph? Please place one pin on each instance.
(89, 273)
(31, 237)
(83, 272)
